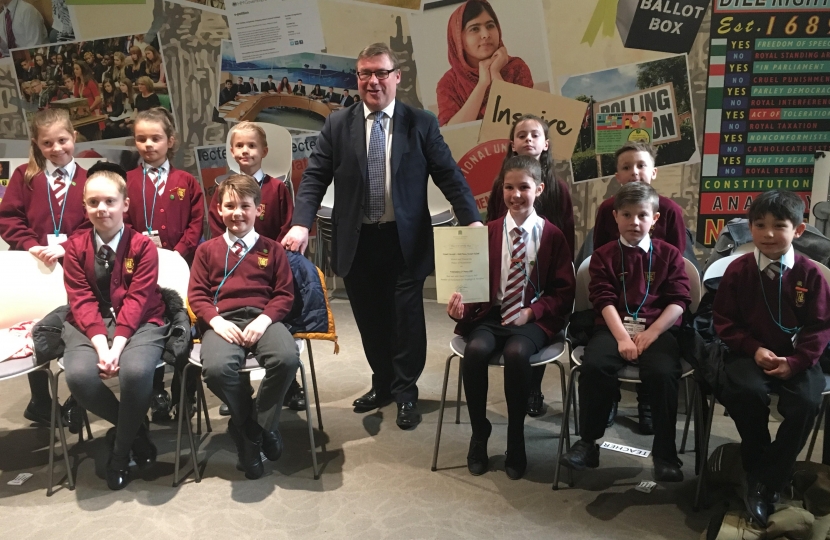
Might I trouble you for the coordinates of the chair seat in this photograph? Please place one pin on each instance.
(548, 353)
(13, 368)
(442, 218)
(631, 373)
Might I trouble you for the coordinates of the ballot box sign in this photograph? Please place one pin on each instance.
(659, 100)
(615, 129)
(660, 25)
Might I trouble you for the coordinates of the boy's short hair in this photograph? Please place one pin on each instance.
(637, 193)
(636, 146)
(780, 203)
(107, 166)
(245, 125)
(240, 184)
(528, 164)
(115, 177)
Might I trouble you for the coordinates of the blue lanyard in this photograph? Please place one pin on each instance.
(780, 286)
(648, 281)
(537, 293)
(227, 274)
(149, 222)
(57, 226)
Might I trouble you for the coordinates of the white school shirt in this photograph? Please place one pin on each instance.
(644, 244)
(533, 227)
(764, 261)
(113, 244)
(27, 25)
(249, 240)
(389, 209)
(50, 171)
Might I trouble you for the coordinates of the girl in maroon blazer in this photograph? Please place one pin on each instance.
(43, 205)
(115, 325)
(167, 205)
(529, 137)
(532, 288)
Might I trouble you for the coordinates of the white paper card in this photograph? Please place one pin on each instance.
(462, 264)
(263, 29)
(20, 478)
(646, 486)
(626, 449)
(53, 240)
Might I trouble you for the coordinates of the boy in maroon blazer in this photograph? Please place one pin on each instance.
(241, 287)
(635, 163)
(639, 290)
(772, 310)
(532, 288)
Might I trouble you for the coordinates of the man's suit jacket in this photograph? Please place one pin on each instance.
(245, 88)
(418, 151)
(253, 87)
(268, 86)
(346, 101)
(226, 95)
(299, 90)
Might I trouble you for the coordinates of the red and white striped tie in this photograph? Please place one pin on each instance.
(511, 304)
(58, 185)
(237, 247)
(158, 180)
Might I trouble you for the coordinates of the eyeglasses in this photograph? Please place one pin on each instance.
(381, 74)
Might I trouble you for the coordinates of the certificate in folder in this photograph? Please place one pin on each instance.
(462, 263)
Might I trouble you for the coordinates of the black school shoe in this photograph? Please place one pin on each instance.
(758, 500)
(515, 462)
(143, 450)
(535, 404)
(160, 406)
(248, 453)
(582, 455)
(477, 459)
(667, 471)
(39, 413)
(295, 397)
(272, 444)
(117, 472)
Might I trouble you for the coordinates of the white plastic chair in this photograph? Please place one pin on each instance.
(31, 290)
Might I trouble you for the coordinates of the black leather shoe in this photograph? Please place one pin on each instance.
(118, 476)
(582, 455)
(39, 413)
(295, 398)
(72, 415)
(477, 459)
(644, 413)
(371, 400)
(535, 404)
(612, 416)
(223, 410)
(143, 449)
(160, 407)
(757, 502)
(408, 415)
(515, 462)
(667, 471)
(272, 444)
(247, 451)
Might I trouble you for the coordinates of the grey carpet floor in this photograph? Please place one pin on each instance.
(376, 480)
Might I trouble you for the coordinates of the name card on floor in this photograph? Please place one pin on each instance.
(625, 449)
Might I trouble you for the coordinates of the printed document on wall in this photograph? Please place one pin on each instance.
(269, 28)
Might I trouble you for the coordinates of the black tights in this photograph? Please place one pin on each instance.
(482, 345)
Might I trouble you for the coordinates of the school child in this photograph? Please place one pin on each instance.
(639, 290)
(115, 325)
(529, 137)
(167, 205)
(42, 207)
(241, 288)
(635, 163)
(772, 311)
(532, 289)
(249, 146)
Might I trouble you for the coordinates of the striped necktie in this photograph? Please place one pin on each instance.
(157, 179)
(10, 39)
(237, 247)
(511, 304)
(773, 269)
(58, 186)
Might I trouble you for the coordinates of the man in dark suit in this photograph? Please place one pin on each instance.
(252, 84)
(228, 93)
(269, 86)
(244, 88)
(299, 89)
(346, 100)
(330, 96)
(382, 238)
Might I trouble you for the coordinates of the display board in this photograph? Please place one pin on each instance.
(767, 106)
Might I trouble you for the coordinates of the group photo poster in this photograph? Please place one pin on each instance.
(297, 92)
(455, 63)
(102, 83)
(660, 87)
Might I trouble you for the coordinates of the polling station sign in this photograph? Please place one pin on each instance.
(659, 100)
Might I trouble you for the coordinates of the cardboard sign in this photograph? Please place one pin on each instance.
(659, 100)
(615, 129)
(630, 450)
(508, 102)
(660, 25)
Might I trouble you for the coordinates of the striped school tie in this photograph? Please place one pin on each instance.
(237, 247)
(59, 185)
(158, 180)
(773, 269)
(511, 304)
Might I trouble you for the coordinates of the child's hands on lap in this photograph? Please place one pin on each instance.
(255, 329)
(525, 316)
(627, 349)
(644, 339)
(227, 330)
(48, 254)
(782, 369)
(455, 307)
(766, 359)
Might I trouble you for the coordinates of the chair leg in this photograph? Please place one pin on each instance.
(56, 421)
(458, 397)
(821, 412)
(184, 416)
(202, 401)
(564, 435)
(704, 452)
(574, 403)
(441, 411)
(690, 403)
(310, 427)
(314, 384)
